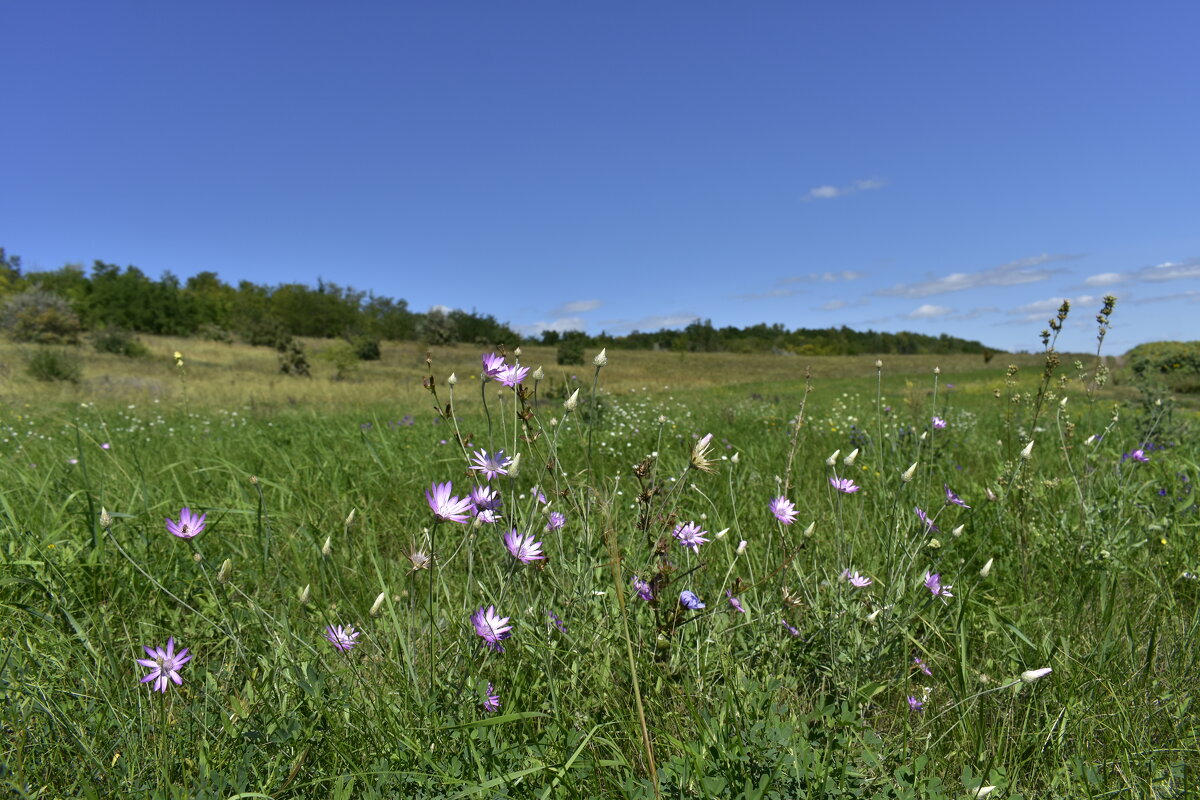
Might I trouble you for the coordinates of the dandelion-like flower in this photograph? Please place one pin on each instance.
(855, 579)
(556, 521)
(690, 535)
(690, 600)
(492, 627)
(445, 507)
(512, 375)
(736, 603)
(925, 518)
(643, 589)
(341, 638)
(419, 559)
(952, 498)
(492, 365)
(490, 465)
(164, 665)
(189, 524)
(492, 703)
(844, 485)
(700, 454)
(938, 423)
(784, 510)
(933, 582)
(523, 548)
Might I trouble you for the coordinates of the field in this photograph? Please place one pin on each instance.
(976, 579)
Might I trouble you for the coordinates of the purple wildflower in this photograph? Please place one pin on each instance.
(784, 510)
(933, 582)
(105, 446)
(557, 620)
(952, 498)
(844, 485)
(492, 703)
(643, 589)
(512, 375)
(341, 638)
(690, 600)
(490, 466)
(164, 664)
(189, 524)
(792, 629)
(1138, 455)
(557, 520)
(492, 366)
(929, 524)
(938, 423)
(445, 507)
(920, 664)
(492, 627)
(690, 535)
(915, 704)
(736, 603)
(523, 548)
(855, 579)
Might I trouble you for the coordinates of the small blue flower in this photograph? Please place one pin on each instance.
(689, 600)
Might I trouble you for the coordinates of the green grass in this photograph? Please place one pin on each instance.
(1089, 577)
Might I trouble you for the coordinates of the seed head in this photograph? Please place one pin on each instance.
(878, 364)
(937, 370)
(105, 518)
(1027, 451)
(700, 454)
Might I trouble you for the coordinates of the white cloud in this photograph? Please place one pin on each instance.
(833, 305)
(828, 192)
(576, 307)
(786, 287)
(1166, 271)
(561, 324)
(1103, 279)
(1014, 273)
(929, 311)
(653, 322)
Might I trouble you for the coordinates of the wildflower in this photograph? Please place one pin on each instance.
(601, 359)
(492, 703)
(689, 600)
(987, 568)
(492, 627)
(105, 446)
(490, 466)
(933, 582)
(792, 629)
(829, 462)
(952, 498)
(920, 664)
(445, 507)
(492, 366)
(189, 524)
(938, 423)
(784, 510)
(855, 579)
(512, 375)
(844, 485)
(690, 535)
(419, 559)
(1031, 675)
(700, 454)
(741, 548)
(736, 603)
(557, 620)
(915, 704)
(486, 501)
(164, 665)
(341, 638)
(929, 523)
(572, 401)
(1027, 451)
(556, 521)
(377, 606)
(907, 475)
(539, 373)
(1138, 455)
(643, 589)
(453, 379)
(849, 460)
(523, 548)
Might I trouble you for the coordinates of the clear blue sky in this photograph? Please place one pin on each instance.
(940, 167)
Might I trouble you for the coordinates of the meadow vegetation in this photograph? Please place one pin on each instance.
(708, 575)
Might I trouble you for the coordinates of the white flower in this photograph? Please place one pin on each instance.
(1031, 675)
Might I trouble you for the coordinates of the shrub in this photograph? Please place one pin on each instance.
(570, 351)
(342, 356)
(366, 348)
(214, 333)
(1177, 364)
(36, 315)
(292, 359)
(118, 342)
(53, 364)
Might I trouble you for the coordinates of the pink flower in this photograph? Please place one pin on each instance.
(492, 627)
(446, 508)
(341, 638)
(784, 510)
(938, 423)
(844, 485)
(164, 665)
(933, 582)
(523, 548)
(690, 535)
(189, 524)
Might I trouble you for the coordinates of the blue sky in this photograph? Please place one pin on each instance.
(938, 167)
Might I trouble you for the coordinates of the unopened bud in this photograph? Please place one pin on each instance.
(254, 480)
(735, 458)
(983, 791)
(1028, 450)
(305, 594)
(991, 496)
(517, 352)
(105, 518)
(572, 401)
(829, 462)
(907, 475)
(225, 570)
(1031, 675)
(539, 373)
(937, 370)
(874, 615)
(878, 365)
(514, 468)
(197, 557)
(958, 531)
(924, 435)
(453, 379)
(721, 533)
(601, 358)
(741, 548)
(1063, 403)
(849, 460)
(327, 548)
(987, 568)
(812, 526)
(378, 604)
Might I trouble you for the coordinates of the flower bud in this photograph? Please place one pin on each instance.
(378, 604)
(572, 401)
(254, 480)
(741, 548)
(735, 458)
(225, 570)
(874, 615)
(849, 460)
(601, 359)
(305, 594)
(539, 373)
(453, 379)
(937, 370)
(878, 364)
(924, 435)
(983, 791)
(1031, 675)
(514, 467)
(1028, 450)
(105, 518)
(958, 531)
(987, 568)
(327, 548)
(517, 353)
(197, 557)
(812, 526)
(907, 475)
(721, 533)
(350, 518)
(829, 462)
(1063, 403)
(991, 496)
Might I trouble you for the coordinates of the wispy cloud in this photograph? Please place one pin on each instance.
(576, 307)
(834, 305)
(1043, 310)
(929, 311)
(1014, 273)
(1190, 296)
(1104, 279)
(1166, 271)
(653, 322)
(560, 324)
(795, 284)
(829, 192)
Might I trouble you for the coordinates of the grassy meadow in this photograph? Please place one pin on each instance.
(976, 616)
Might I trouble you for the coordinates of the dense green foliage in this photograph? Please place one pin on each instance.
(1177, 364)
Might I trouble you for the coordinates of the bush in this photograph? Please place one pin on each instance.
(53, 364)
(366, 348)
(214, 333)
(118, 342)
(342, 356)
(1176, 364)
(36, 315)
(570, 351)
(265, 332)
(292, 359)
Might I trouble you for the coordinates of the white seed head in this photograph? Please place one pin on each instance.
(832, 458)
(1031, 675)
(1028, 450)
(377, 606)
(572, 401)
(105, 518)
(224, 572)
(987, 568)
(849, 460)
(327, 548)
(553, 422)
(539, 373)
(306, 594)
(958, 531)
(741, 548)
(907, 475)
(453, 379)
(601, 359)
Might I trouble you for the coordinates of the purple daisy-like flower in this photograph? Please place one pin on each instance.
(792, 629)
(490, 465)
(189, 524)
(492, 703)
(164, 665)
(915, 703)
(929, 524)
(855, 579)
(556, 521)
(933, 582)
(342, 638)
(736, 603)
(690, 535)
(784, 510)
(492, 366)
(1138, 455)
(485, 498)
(844, 485)
(523, 548)
(492, 627)
(920, 664)
(690, 600)
(938, 423)
(512, 375)
(952, 498)
(447, 508)
(643, 589)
